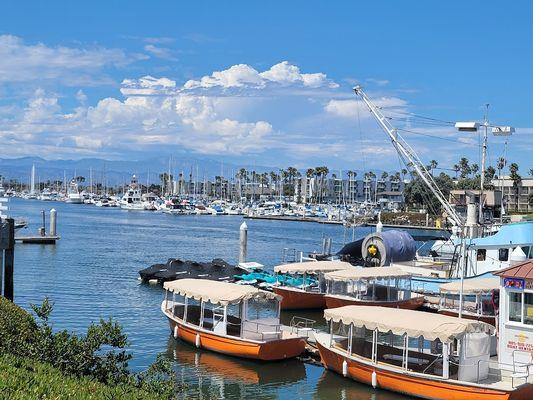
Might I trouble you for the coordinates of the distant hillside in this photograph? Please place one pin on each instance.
(116, 172)
(119, 172)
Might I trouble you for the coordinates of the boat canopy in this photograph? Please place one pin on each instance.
(312, 267)
(413, 323)
(354, 274)
(509, 235)
(472, 286)
(215, 292)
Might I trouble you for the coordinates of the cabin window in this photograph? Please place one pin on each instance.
(528, 251)
(515, 306)
(528, 308)
(503, 254)
(481, 254)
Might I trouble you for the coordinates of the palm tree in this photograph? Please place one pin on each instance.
(474, 168)
(432, 165)
(310, 173)
(456, 168)
(291, 173)
(517, 180)
(322, 173)
(464, 167)
(502, 162)
(490, 172)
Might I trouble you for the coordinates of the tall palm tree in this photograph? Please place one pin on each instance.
(432, 165)
(310, 173)
(322, 173)
(474, 168)
(517, 180)
(464, 167)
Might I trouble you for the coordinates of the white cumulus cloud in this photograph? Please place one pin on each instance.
(242, 75)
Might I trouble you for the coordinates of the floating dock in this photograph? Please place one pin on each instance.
(292, 218)
(37, 239)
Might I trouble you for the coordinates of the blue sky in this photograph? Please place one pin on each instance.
(266, 83)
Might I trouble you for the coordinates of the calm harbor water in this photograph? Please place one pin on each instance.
(92, 273)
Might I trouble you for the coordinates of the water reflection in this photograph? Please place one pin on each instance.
(333, 386)
(204, 373)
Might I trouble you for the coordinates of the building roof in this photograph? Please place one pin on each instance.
(216, 292)
(312, 267)
(400, 321)
(523, 270)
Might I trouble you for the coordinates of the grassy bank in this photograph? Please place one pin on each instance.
(25, 379)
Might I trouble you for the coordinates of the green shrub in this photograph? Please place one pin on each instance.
(98, 356)
(23, 379)
(18, 330)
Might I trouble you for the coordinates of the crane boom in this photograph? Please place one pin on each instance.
(409, 156)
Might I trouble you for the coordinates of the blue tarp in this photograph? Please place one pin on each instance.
(509, 235)
(399, 245)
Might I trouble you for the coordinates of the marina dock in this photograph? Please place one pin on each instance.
(292, 218)
(36, 239)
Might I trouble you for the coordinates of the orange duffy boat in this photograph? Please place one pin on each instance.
(218, 316)
(376, 286)
(424, 355)
(310, 294)
(480, 299)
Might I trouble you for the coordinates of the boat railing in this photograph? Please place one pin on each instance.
(431, 363)
(418, 287)
(302, 326)
(518, 370)
(254, 329)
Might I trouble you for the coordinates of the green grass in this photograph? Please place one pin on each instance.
(24, 379)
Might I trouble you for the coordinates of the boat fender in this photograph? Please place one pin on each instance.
(344, 368)
(374, 379)
(197, 340)
(176, 331)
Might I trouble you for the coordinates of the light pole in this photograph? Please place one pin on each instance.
(496, 131)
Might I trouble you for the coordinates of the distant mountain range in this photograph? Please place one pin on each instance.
(118, 172)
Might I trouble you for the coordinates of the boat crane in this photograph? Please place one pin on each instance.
(410, 157)
(412, 160)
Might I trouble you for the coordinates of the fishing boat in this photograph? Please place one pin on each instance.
(309, 292)
(374, 286)
(480, 299)
(73, 195)
(132, 198)
(423, 355)
(219, 316)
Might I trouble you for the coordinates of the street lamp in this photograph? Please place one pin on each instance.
(496, 131)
